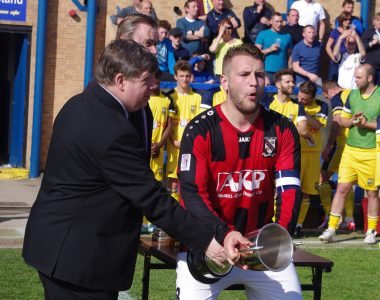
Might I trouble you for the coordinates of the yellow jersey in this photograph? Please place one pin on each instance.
(337, 104)
(293, 111)
(318, 110)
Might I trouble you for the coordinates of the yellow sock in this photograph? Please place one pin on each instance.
(334, 221)
(349, 205)
(303, 210)
(324, 191)
(372, 222)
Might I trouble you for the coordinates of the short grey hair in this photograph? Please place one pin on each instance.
(126, 57)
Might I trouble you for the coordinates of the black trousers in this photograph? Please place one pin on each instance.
(56, 289)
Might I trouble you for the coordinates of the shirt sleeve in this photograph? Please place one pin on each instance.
(347, 113)
(322, 15)
(296, 55)
(260, 40)
(288, 186)
(336, 105)
(323, 113)
(193, 174)
(301, 113)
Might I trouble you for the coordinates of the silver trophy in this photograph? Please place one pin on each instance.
(272, 250)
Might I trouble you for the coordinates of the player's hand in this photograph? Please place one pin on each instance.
(215, 252)
(155, 150)
(314, 78)
(232, 243)
(359, 120)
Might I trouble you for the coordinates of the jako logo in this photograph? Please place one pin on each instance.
(236, 181)
(244, 139)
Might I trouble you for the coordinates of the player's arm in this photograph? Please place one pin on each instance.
(165, 135)
(288, 190)
(346, 117)
(193, 175)
(302, 121)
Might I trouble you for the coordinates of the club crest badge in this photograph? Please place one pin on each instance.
(270, 146)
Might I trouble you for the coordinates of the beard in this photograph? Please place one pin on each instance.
(243, 105)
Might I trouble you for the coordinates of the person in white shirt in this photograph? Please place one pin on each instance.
(311, 13)
(350, 60)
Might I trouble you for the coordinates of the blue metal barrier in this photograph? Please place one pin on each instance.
(208, 86)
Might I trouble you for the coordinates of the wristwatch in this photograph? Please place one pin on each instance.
(192, 32)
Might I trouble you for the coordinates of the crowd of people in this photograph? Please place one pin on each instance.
(194, 49)
(237, 158)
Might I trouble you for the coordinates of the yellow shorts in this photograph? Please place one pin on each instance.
(157, 165)
(310, 169)
(172, 161)
(332, 165)
(358, 165)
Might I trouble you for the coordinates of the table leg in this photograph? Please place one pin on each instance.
(317, 283)
(146, 277)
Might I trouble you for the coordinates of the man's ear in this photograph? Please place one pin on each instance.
(224, 82)
(119, 80)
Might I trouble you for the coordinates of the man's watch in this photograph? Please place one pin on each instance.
(192, 32)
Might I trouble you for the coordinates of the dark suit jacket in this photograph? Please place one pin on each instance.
(84, 226)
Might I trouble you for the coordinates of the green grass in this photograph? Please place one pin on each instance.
(355, 275)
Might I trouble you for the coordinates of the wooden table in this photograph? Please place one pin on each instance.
(167, 254)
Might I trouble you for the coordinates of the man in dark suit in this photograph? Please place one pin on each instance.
(83, 230)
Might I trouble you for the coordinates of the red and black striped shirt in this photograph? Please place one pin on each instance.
(231, 177)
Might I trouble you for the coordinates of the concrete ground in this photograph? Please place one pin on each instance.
(17, 197)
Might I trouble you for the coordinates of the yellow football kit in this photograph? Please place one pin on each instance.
(311, 150)
(185, 108)
(160, 106)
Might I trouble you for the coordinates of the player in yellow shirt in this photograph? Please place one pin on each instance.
(161, 106)
(283, 104)
(186, 105)
(332, 154)
(358, 161)
(311, 147)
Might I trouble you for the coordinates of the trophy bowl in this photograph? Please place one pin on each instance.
(272, 249)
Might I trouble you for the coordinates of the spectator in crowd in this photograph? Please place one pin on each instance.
(344, 22)
(130, 10)
(83, 230)
(194, 30)
(293, 27)
(359, 155)
(311, 13)
(217, 15)
(306, 57)
(284, 104)
(356, 23)
(186, 105)
(350, 60)
(311, 147)
(332, 154)
(225, 176)
(180, 52)
(145, 7)
(204, 7)
(165, 52)
(371, 42)
(200, 73)
(275, 45)
(222, 43)
(256, 19)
